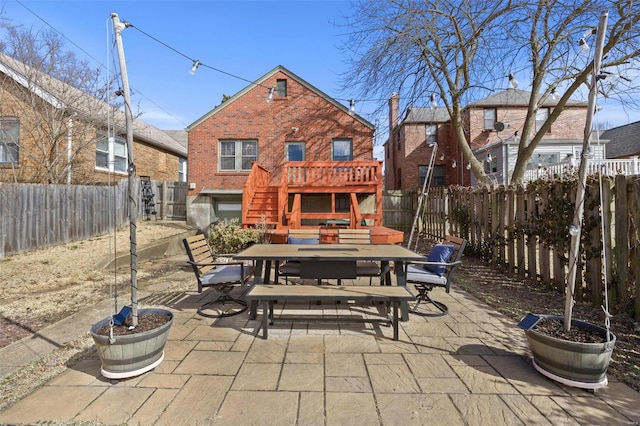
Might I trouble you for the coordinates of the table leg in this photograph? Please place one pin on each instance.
(401, 278)
(386, 273)
(395, 320)
(257, 279)
(265, 319)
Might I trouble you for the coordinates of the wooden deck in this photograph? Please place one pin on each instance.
(329, 235)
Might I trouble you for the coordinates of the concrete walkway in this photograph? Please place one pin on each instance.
(470, 367)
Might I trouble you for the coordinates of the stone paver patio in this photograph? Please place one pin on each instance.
(470, 367)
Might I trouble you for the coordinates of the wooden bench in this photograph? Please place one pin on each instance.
(268, 294)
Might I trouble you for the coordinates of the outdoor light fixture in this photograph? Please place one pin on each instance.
(352, 106)
(454, 164)
(433, 101)
(194, 68)
(489, 158)
(512, 81)
(573, 230)
(270, 95)
(554, 95)
(584, 46)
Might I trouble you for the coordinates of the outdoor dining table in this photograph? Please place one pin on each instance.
(329, 261)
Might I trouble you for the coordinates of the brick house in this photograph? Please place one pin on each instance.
(51, 132)
(492, 127)
(276, 120)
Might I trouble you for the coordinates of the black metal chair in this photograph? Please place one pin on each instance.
(221, 276)
(436, 271)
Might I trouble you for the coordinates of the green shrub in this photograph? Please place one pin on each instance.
(227, 236)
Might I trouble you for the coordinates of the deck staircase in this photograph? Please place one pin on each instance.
(276, 201)
(263, 204)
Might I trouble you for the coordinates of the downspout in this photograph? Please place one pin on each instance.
(69, 148)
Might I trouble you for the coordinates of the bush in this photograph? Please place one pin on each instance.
(227, 236)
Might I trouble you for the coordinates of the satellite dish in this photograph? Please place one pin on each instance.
(499, 126)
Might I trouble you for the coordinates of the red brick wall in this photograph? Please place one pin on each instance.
(414, 152)
(250, 117)
(569, 125)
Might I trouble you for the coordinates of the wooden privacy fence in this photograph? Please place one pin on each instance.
(37, 215)
(525, 230)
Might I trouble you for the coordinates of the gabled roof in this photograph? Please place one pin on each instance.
(261, 80)
(516, 97)
(427, 115)
(54, 92)
(624, 141)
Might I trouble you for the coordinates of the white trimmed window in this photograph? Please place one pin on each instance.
(541, 117)
(295, 151)
(111, 153)
(9, 136)
(489, 118)
(182, 170)
(237, 156)
(342, 150)
(431, 133)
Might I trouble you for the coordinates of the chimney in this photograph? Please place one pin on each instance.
(393, 112)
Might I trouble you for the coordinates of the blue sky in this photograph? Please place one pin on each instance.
(243, 38)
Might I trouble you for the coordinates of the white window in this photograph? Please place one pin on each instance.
(541, 117)
(237, 156)
(182, 170)
(295, 151)
(431, 134)
(111, 153)
(489, 118)
(9, 136)
(341, 150)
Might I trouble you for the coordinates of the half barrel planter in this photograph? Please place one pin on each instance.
(582, 365)
(133, 354)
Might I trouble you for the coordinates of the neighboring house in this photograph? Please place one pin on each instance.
(407, 154)
(51, 132)
(623, 141)
(492, 127)
(278, 120)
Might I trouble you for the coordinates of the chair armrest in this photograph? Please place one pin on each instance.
(190, 262)
(445, 264)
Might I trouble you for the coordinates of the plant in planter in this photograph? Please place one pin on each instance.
(570, 351)
(131, 342)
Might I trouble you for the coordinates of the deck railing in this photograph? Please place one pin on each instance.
(331, 173)
(625, 167)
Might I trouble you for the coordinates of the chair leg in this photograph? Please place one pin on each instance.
(223, 299)
(423, 296)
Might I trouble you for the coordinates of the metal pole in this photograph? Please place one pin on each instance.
(131, 169)
(576, 226)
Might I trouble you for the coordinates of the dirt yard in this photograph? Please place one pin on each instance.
(42, 286)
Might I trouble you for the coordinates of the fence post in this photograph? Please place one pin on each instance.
(165, 203)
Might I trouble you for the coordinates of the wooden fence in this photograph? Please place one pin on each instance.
(35, 215)
(525, 231)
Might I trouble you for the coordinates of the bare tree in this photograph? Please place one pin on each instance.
(461, 50)
(58, 100)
